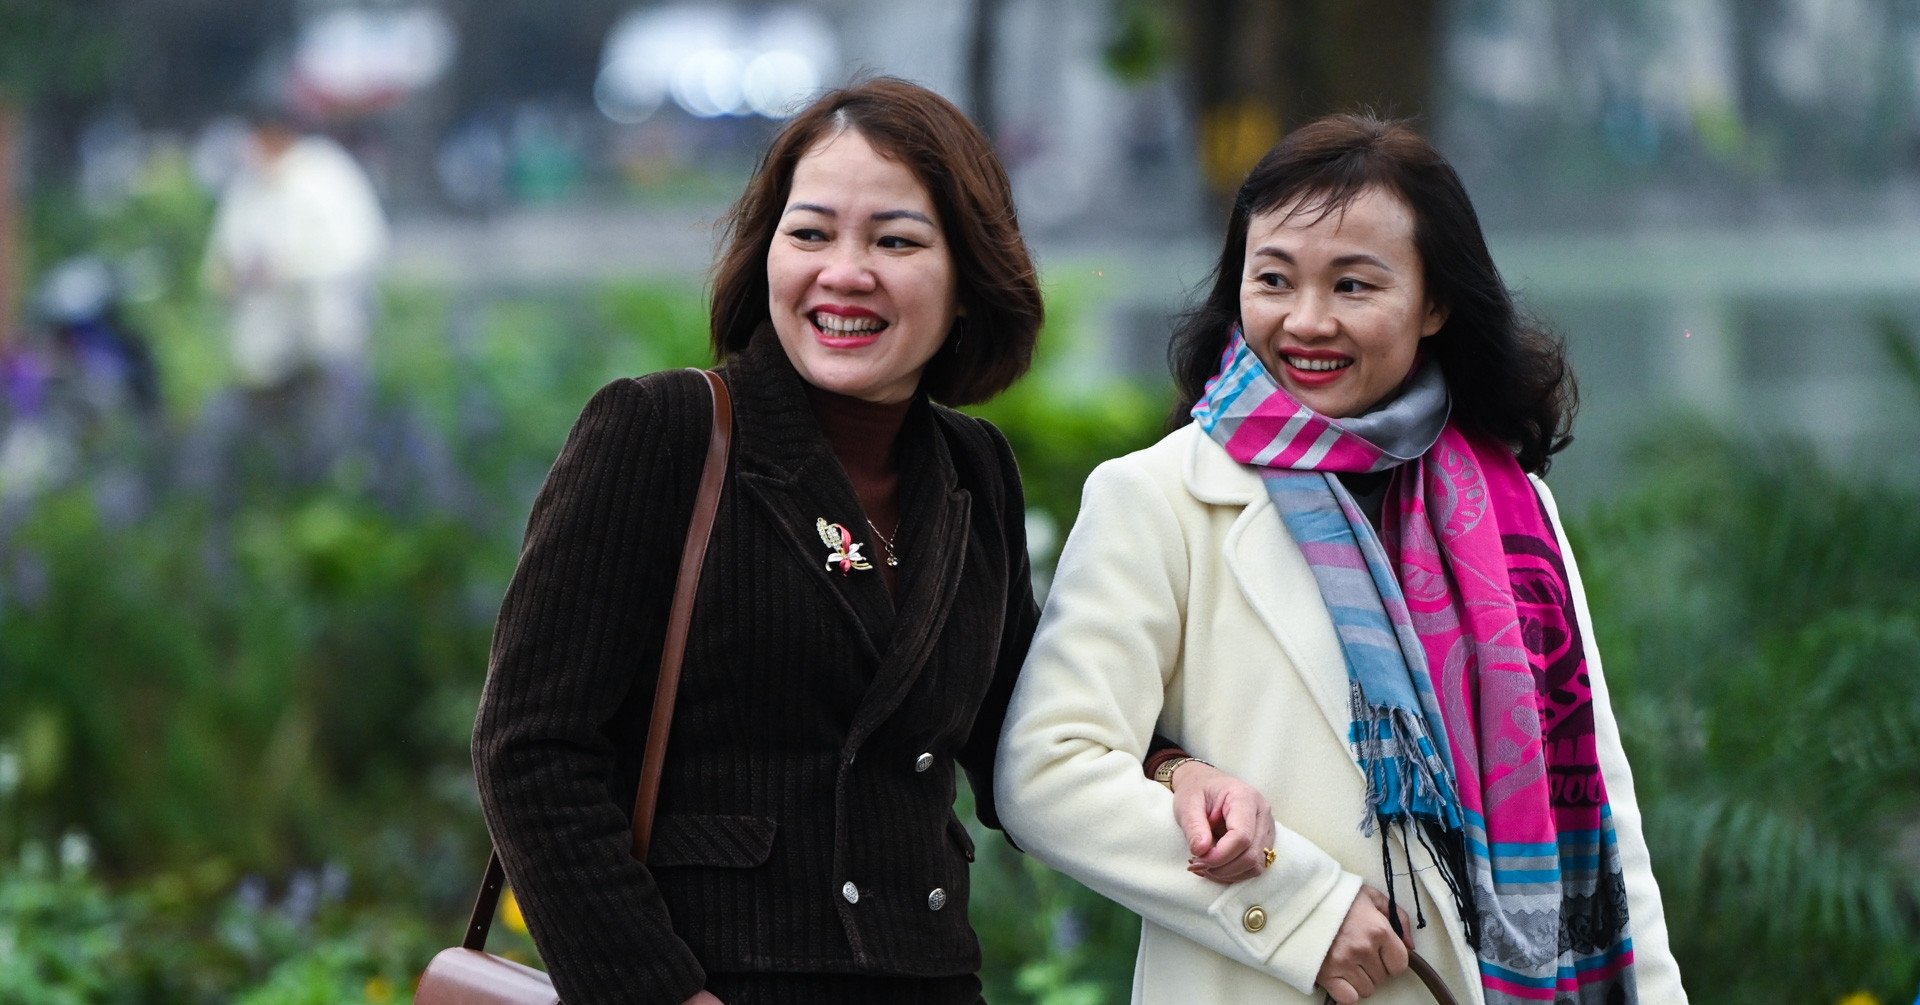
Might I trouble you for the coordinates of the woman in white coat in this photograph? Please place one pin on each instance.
(1344, 584)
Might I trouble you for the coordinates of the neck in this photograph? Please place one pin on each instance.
(862, 435)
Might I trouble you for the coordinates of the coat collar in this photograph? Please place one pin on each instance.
(1212, 476)
(786, 466)
(1272, 573)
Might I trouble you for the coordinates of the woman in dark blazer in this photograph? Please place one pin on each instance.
(864, 608)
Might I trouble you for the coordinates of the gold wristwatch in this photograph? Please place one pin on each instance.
(1164, 773)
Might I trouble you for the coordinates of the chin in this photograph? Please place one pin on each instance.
(863, 385)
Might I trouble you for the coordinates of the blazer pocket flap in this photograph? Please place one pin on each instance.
(961, 839)
(699, 839)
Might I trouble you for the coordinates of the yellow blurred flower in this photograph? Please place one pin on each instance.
(379, 990)
(510, 914)
(1860, 998)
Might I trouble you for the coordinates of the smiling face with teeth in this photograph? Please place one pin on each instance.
(860, 281)
(1333, 300)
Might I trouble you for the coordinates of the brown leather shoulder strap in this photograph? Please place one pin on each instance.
(706, 503)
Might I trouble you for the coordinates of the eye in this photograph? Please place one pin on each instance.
(895, 242)
(807, 235)
(1352, 285)
(1272, 281)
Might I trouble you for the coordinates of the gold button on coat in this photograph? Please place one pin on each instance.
(1255, 919)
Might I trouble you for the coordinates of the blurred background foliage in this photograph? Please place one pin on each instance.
(234, 708)
(233, 735)
(1759, 613)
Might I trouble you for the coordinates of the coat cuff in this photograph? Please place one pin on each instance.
(1291, 945)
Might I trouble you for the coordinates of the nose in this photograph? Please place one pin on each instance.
(846, 269)
(1311, 317)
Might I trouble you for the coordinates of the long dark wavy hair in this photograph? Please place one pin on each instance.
(1507, 374)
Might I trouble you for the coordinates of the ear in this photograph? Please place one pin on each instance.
(1435, 320)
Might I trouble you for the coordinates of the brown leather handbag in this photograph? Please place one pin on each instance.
(469, 975)
(1431, 978)
(1428, 976)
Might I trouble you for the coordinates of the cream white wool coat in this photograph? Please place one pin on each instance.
(1181, 603)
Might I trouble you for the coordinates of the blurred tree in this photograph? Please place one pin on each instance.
(49, 49)
(1259, 67)
(981, 75)
(187, 60)
(526, 50)
(1256, 68)
(1758, 611)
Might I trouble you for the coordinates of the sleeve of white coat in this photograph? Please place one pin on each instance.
(1655, 970)
(1070, 788)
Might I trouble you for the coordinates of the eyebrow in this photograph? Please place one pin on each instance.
(882, 216)
(1341, 262)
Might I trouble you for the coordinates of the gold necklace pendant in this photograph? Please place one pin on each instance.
(886, 543)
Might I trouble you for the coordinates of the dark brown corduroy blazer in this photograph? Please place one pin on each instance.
(806, 815)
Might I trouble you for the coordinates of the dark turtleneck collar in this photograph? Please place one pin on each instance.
(862, 433)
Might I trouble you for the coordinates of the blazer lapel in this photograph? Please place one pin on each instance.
(1274, 577)
(787, 469)
(935, 526)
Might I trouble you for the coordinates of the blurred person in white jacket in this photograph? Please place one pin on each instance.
(297, 243)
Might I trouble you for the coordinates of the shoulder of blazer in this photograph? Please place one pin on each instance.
(673, 391)
(676, 399)
(638, 439)
(1187, 463)
(980, 450)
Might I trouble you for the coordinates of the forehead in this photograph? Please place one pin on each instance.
(845, 165)
(1375, 217)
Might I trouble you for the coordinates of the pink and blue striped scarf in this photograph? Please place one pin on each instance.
(1472, 712)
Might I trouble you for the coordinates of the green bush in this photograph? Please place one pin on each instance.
(1759, 613)
(68, 938)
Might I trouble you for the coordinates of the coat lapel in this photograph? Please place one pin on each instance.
(787, 469)
(1273, 575)
(935, 521)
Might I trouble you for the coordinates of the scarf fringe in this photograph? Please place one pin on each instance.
(1448, 852)
(1420, 800)
(1448, 849)
(1406, 776)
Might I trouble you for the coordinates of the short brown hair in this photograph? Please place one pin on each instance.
(993, 272)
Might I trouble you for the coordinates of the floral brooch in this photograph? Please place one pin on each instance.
(844, 551)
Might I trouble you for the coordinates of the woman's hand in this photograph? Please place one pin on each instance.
(1228, 824)
(1365, 952)
(703, 998)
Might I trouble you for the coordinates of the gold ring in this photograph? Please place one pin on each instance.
(1268, 854)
